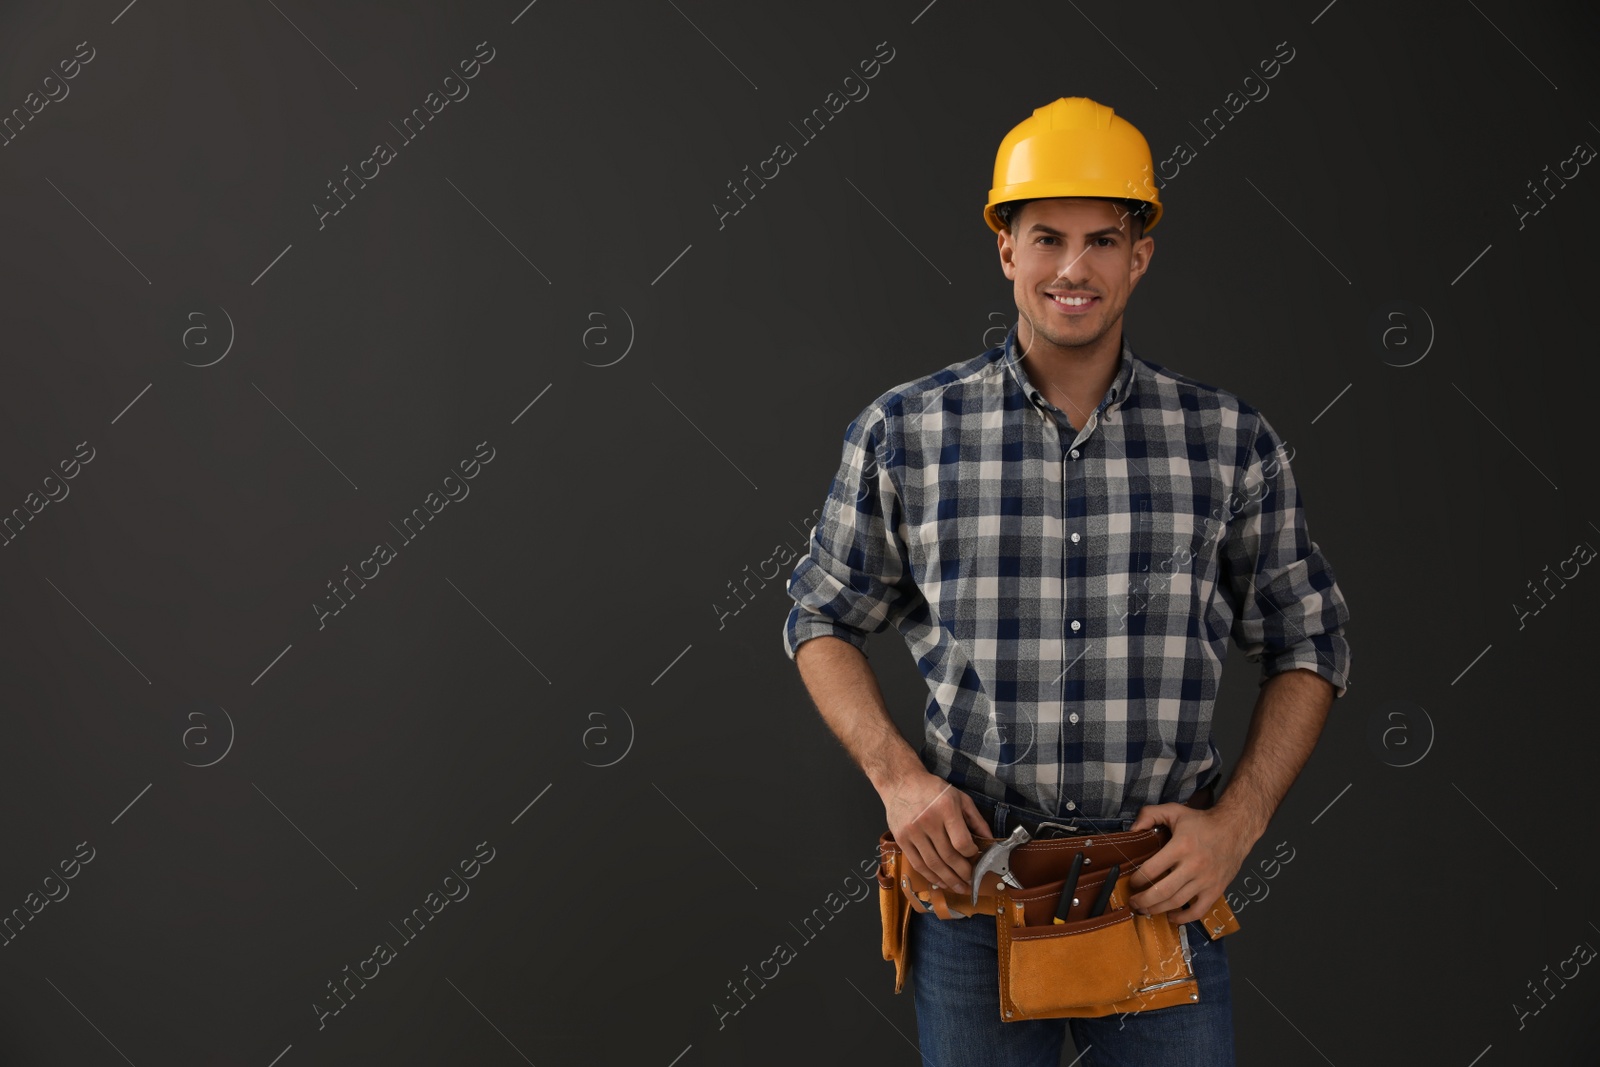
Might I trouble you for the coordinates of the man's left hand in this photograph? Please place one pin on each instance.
(1193, 869)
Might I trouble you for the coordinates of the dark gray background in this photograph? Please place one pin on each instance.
(569, 611)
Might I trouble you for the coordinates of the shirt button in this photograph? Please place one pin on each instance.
(1074, 453)
(1073, 717)
(1076, 624)
(1071, 805)
(1074, 538)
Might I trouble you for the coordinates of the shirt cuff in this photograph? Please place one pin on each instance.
(804, 625)
(1328, 655)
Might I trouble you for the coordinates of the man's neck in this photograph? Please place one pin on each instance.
(1073, 379)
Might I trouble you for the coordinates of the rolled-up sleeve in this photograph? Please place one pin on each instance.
(1288, 609)
(854, 578)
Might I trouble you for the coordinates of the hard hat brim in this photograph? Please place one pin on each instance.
(1062, 190)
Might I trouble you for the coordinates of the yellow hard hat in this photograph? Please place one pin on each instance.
(1073, 147)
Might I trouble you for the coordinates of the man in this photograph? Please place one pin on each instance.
(1066, 536)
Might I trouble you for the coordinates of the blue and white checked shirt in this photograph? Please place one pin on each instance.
(1068, 594)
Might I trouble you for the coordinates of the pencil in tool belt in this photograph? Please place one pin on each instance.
(1105, 891)
(1068, 888)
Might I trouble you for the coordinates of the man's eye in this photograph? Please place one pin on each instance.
(1109, 242)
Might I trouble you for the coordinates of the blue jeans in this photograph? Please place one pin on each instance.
(955, 980)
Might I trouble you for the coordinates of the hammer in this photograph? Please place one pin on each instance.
(997, 859)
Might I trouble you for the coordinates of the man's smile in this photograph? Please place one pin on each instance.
(1072, 301)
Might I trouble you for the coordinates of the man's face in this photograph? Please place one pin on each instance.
(1072, 247)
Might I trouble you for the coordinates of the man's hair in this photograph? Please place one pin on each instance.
(1137, 211)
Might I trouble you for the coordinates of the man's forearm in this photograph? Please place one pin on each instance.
(845, 690)
(1284, 728)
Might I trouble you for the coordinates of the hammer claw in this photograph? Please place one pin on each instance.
(997, 860)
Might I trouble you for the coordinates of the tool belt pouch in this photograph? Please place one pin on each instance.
(894, 907)
(1085, 967)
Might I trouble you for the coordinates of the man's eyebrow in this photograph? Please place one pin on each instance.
(1109, 231)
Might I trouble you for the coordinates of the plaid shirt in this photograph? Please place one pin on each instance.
(1068, 594)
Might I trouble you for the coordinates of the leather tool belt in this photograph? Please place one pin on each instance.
(1086, 967)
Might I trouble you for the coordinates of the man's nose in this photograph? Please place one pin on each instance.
(1071, 265)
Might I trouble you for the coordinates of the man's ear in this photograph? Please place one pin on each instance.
(1007, 252)
(1145, 246)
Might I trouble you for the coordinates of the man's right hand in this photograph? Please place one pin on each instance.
(934, 822)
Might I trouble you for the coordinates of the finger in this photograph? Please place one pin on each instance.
(1169, 893)
(1140, 880)
(975, 820)
(1197, 908)
(960, 833)
(1156, 899)
(959, 864)
(943, 864)
(934, 865)
(1156, 867)
(914, 856)
(1151, 815)
(1183, 915)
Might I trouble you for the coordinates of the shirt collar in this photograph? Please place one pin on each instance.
(1121, 386)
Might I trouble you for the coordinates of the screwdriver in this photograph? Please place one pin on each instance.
(1068, 888)
(1105, 891)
